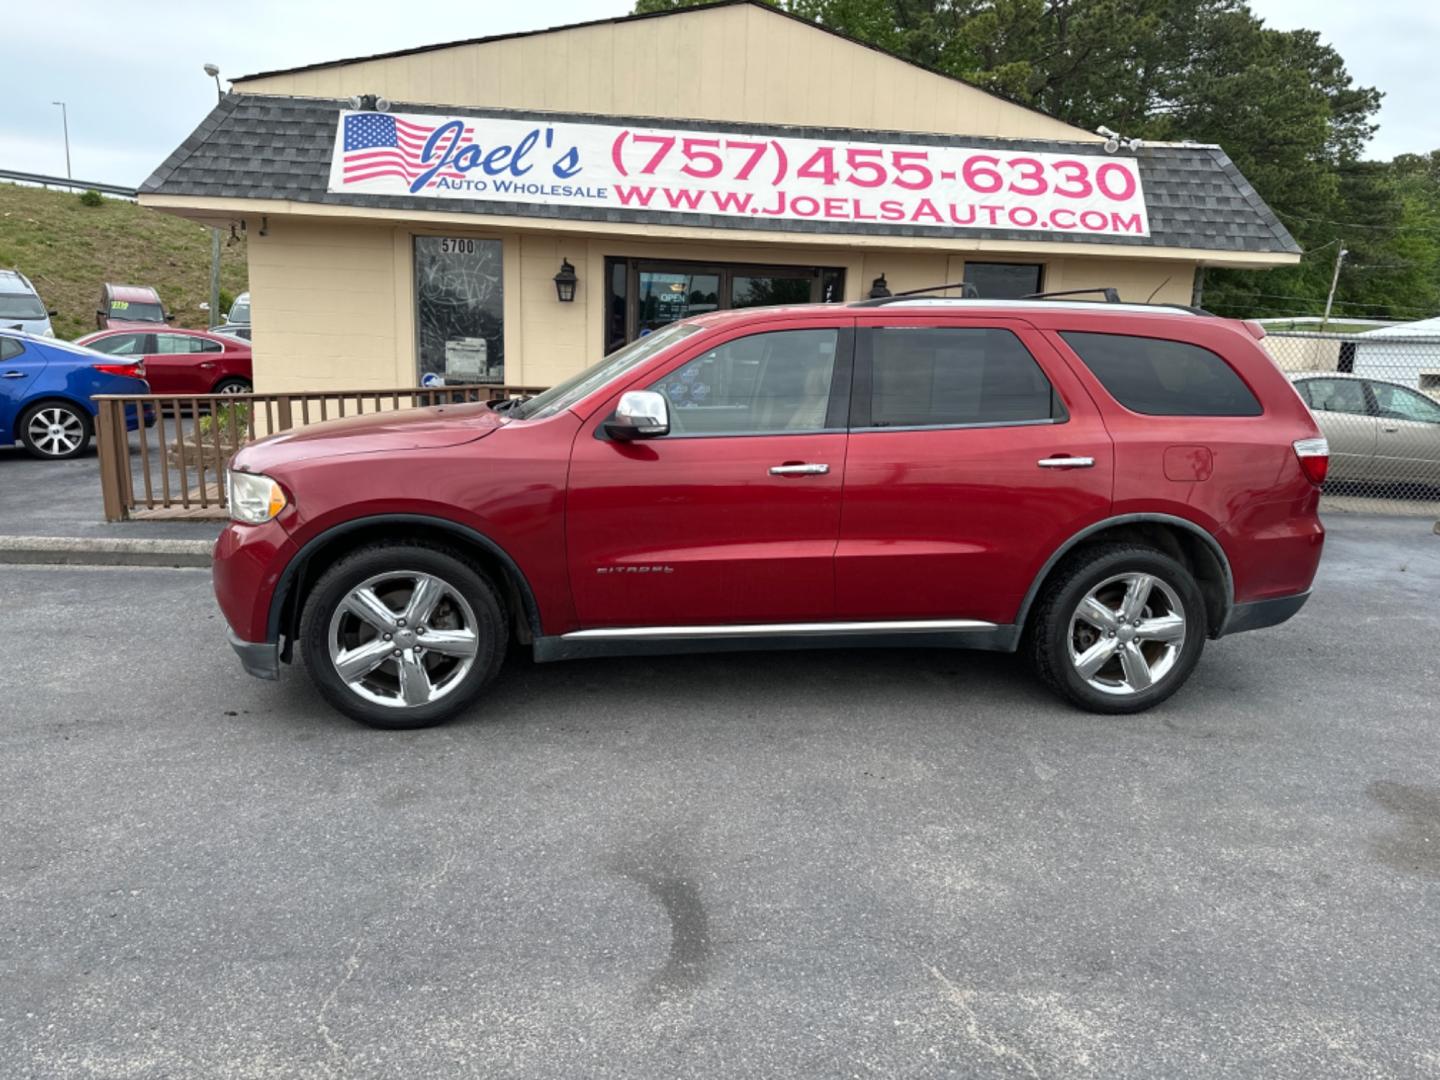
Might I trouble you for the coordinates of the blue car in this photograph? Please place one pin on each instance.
(46, 388)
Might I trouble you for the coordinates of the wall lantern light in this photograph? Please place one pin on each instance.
(878, 288)
(565, 282)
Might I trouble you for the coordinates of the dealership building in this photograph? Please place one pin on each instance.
(510, 208)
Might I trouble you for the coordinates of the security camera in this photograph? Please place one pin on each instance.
(1112, 144)
(1103, 130)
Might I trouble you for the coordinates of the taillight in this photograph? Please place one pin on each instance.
(1314, 455)
(130, 370)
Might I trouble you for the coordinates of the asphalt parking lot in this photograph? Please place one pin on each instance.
(833, 864)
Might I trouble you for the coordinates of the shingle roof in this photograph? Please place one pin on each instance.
(255, 146)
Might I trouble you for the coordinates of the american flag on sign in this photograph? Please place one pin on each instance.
(378, 144)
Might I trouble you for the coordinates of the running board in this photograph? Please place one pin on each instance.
(659, 640)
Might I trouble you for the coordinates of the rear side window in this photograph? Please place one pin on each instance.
(923, 376)
(1334, 395)
(10, 348)
(1163, 378)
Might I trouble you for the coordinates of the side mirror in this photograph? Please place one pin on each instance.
(169, 317)
(641, 414)
(51, 313)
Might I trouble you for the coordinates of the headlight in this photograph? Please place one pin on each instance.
(254, 499)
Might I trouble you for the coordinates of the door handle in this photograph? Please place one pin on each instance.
(13, 375)
(799, 470)
(1391, 430)
(1066, 463)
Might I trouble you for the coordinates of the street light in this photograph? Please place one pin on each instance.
(65, 120)
(213, 71)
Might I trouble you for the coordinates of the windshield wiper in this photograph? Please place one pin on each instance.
(510, 403)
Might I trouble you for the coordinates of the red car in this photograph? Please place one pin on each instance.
(181, 361)
(1103, 486)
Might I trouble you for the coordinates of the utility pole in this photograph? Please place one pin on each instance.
(65, 121)
(214, 73)
(1334, 280)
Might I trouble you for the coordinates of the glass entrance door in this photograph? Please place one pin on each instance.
(645, 295)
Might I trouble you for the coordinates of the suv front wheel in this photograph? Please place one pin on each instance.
(402, 635)
(1118, 628)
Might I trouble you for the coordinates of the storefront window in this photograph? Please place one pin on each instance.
(1003, 281)
(459, 316)
(642, 296)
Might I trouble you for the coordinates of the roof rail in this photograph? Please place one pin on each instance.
(967, 292)
(1111, 295)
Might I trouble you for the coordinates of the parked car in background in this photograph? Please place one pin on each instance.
(124, 306)
(46, 391)
(1102, 486)
(1380, 432)
(21, 307)
(239, 314)
(181, 361)
(236, 330)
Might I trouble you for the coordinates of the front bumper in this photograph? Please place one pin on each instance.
(1258, 614)
(259, 658)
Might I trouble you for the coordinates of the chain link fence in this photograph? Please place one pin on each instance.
(1376, 397)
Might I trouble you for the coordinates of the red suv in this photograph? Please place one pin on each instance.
(1103, 486)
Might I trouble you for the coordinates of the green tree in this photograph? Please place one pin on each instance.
(1281, 104)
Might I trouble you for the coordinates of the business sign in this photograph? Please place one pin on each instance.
(674, 171)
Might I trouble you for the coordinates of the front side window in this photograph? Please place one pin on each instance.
(924, 376)
(1334, 395)
(1158, 377)
(577, 387)
(1398, 403)
(766, 383)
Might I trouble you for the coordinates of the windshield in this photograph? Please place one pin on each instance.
(21, 306)
(135, 311)
(240, 311)
(567, 393)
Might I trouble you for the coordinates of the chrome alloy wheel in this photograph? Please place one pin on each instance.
(403, 639)
(1127, 633)
(55, 431)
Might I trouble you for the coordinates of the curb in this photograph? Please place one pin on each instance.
(102, 551)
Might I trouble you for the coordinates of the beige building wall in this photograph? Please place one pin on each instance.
(334, 302)
(742, 63)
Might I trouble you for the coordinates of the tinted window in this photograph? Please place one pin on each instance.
(1398, 403)
(763, 383)
(1003, 281)
(206, 345)
(10, 348)
(1334, 395)
(927, 375)
(120, 344)
(1164, 378)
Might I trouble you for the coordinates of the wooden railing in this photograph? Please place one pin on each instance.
(172, 463)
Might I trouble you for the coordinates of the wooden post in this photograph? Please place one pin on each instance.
(110, 490)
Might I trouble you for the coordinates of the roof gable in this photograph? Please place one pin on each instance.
(735, 60)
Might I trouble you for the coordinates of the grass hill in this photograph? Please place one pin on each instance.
(68, 250)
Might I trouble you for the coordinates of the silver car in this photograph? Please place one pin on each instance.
(1379, 432)
(21, 307)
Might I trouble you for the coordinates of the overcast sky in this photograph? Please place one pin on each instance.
(135, 89)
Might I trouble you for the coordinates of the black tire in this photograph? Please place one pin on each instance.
(233, 386)
(69, 415)
(459, 575)
(1049, 633)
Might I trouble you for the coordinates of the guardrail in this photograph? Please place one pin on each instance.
(65, 181)
(172, 465)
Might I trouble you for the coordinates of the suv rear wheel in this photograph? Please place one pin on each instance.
(1118, 628)
(402, 635)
